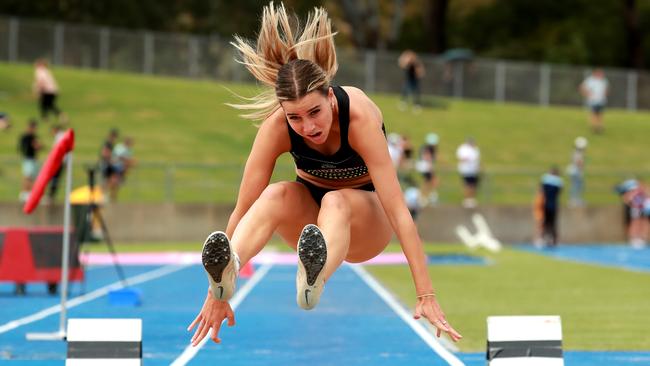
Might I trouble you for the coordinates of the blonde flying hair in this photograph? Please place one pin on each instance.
(289, 61)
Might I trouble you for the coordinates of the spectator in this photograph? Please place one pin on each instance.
(636, 198)
(412, 197)
(395, 149)
(123, 158)
(595, 89)
(576, 172)
(538, 217)
(426, 167)
(551, 188)
(4, 121)
(110, 178)
(47, 89)
(58, 133)
(469, 166)
(405, 167)
(413, 72)
(29, 146)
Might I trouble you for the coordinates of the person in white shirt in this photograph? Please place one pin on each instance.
(595, 89)
(469, 165)
(47, 89)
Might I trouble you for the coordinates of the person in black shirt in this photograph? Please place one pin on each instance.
(28, 146)
(336, 137)
(413, 72)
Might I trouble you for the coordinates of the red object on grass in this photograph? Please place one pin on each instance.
(52, 164)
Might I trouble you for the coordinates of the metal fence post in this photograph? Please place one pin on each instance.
(458, 79)
(169, 183)
(58, 44)
(500, 82)
(193, 56)
(544, 84)
(14, 28)
(147, 63)
(632, 78)
(371, 66)
(104, 47)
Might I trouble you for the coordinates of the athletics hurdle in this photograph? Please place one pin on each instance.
(524, 341)
(104, 342)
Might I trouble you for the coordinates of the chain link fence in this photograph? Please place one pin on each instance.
(219, 183)
(183, 55)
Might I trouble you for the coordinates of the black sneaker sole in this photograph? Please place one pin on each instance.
(312, 252)
(216, 255)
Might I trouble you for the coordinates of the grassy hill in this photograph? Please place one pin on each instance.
(185, 122)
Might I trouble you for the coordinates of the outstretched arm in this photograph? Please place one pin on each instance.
(367, 139)
(271, 141)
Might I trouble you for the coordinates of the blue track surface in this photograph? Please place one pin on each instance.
(618, 256)
(351, 323)
(351, 326)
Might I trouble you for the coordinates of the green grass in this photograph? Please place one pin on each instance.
(186, 122)
(601, 308)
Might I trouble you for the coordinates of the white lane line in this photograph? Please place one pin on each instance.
(189, 352)
(144, 277)
(417, 327)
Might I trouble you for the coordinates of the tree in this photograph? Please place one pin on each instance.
(375, 23)
(633, 35)
(436, 25)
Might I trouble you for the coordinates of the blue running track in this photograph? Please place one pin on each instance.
(617, 256)
(352, 325)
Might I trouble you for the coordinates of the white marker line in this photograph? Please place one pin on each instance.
(418, 328)
(144, 277)
(189, 352)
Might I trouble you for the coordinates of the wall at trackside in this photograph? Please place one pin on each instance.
(129, 222)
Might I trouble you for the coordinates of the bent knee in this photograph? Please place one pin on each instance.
(335, 201)
(276, 191)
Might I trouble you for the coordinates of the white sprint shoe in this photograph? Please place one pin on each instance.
(312, 255)
(221, 265)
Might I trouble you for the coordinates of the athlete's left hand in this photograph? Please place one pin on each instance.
(429, 308)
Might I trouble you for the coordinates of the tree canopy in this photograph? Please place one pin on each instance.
(604, 32)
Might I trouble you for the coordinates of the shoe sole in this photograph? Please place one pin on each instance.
(312, 252)
(216, 256)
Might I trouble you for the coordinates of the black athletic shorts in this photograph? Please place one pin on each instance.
(319, 192)
(597, 108)
(471, 180)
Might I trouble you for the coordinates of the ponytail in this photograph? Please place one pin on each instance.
(288, 65)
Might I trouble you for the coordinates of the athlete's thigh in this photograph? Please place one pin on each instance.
(299, 210)
(370, 230)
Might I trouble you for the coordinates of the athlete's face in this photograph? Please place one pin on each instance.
(311, 116)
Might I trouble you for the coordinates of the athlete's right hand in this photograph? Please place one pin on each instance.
(211, 316)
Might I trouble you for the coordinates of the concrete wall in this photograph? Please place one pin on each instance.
(192, 222)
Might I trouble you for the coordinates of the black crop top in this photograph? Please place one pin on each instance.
(344, 164)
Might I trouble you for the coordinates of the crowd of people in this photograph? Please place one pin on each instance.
(115, 161)
(115, 157)
(417, 171)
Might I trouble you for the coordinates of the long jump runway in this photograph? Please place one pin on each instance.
(353, 324)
